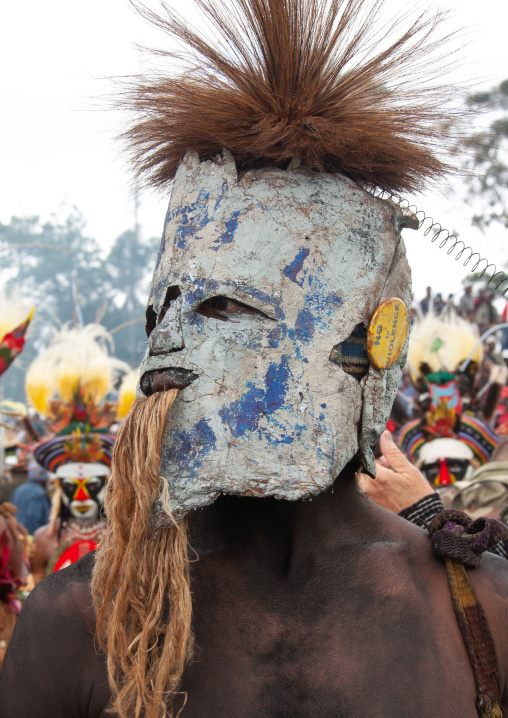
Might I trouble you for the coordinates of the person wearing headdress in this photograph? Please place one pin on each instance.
(402, 488)
(14, 546)
(466, 303)
(17, 448)
(31, 499)
(276, 327)
(70, 385)
(447, 442)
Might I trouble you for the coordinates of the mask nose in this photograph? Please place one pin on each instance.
(167, 336)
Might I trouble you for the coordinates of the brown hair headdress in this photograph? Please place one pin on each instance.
(326, 81)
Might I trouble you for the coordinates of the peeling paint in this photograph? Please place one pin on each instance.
(190, 448)
(304, 326)
(291, 270)
(191, 219)
(231, 225)
(269, 413)
(244, 414)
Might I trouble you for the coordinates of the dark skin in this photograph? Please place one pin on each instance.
(324, 609)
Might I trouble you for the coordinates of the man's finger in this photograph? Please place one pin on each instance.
(393, 455)
(384, 474)
(366, 483)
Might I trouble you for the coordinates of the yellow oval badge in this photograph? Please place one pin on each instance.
(387, 333)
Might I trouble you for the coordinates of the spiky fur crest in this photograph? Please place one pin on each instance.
(321, 80)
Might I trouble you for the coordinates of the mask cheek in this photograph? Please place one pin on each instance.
(380, 385)
(379, 391)
(343, 411)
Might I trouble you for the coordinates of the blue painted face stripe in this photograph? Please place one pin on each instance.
(244, 414)
(291, 270)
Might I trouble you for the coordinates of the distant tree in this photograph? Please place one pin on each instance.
(487, 184)
(55, 266)
(129, 266)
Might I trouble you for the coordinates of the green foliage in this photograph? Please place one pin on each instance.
(129, 266)
(488, 179)
(70, 279)
(482, 282)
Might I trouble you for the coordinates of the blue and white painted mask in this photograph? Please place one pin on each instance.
(262, 292)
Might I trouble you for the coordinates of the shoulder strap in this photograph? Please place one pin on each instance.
(461, 542)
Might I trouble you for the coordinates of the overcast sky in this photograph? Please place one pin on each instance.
(57, 145)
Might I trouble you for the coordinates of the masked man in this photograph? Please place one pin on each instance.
(276, 328)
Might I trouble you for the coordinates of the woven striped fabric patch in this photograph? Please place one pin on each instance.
(351, 354)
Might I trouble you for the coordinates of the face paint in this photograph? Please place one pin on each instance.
(444, 461)
(446, 471)
(448, 393)
(260, 285)
(83, 488)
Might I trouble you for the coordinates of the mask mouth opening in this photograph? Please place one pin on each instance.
(159, 380)
(351, 354)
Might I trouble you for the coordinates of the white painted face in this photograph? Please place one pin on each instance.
(83, 489)
(257, 281)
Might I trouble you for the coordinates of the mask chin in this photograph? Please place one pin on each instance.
(379, 391)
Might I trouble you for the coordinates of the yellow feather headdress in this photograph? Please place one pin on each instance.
(441, 345)
(127, 393)
(76, 362)
(13, 313)
(14, 321)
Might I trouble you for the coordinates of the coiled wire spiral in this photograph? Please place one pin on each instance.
(455, 245)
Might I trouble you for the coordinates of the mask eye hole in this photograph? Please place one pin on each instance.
(351, 354)
(171, 294)
(151, 320)
(226, 309)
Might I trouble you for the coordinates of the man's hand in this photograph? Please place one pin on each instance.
(399, 486)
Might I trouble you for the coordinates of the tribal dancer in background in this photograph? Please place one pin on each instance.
(277, 327)
(70, 384)
(14, 546)
(448, 442)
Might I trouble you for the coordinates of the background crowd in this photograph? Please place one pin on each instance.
(447, 444)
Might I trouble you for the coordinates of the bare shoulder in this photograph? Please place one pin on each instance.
(45, 540)
(489, 581)
(54, 631)
(413, 540)
(43, 532)
(411, 558)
